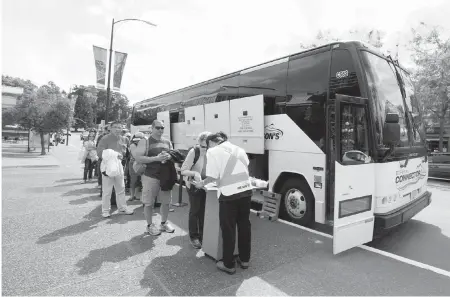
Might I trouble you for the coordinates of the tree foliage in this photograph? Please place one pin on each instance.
(44, 110)
(119, 107)
(373, 37)
(431, 54)
(83, 113)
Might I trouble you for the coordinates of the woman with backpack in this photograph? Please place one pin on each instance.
(194, 168)
(134, 178)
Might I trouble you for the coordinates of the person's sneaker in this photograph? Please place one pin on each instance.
(130, 199)
(99, 186)
(196, 243)
(166, 228)
(153, 230)
(244, 265)
(106, 214)
(222, 267)
(90, 180)
(126, 211)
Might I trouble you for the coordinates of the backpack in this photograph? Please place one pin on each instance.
(196, 156)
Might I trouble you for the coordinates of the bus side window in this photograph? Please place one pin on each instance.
(343, 79)
(307, 86)
(268, 79)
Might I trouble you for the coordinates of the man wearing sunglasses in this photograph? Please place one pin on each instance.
(152, 152)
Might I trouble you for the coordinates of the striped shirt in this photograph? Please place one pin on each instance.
(155, 147)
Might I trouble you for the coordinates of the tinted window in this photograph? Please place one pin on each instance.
(343, 79)
(269, 80)
(307, 93)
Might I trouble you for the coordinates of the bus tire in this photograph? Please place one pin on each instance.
(297, 202)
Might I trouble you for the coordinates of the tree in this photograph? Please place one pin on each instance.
(120, 108)
(8, 117)
(83, 114)
(431, 54)
(44, 110)
(373, 37)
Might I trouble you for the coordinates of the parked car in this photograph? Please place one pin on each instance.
(439, 165)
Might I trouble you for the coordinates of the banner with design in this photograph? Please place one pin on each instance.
(119, 65)
(100, 55)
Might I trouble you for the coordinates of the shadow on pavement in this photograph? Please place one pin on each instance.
(92, 219)
(83, 191)
(85, 200)
(78, 182)
(115, 254)
(185, 274)
(67, 180)
(419, 241)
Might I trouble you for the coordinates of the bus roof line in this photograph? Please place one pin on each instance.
(236, 73)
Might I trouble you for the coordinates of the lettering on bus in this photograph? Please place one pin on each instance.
(405, 178)
(271, 132)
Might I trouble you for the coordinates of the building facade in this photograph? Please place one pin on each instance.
(10, 95)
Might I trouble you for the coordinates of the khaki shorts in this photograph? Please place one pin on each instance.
(151, 189)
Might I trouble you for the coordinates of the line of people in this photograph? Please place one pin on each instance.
(213, 160)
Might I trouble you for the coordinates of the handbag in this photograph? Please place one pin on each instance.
(139, 168)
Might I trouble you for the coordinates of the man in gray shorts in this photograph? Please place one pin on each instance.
(157, 152)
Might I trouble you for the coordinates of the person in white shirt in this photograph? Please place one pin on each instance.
(227, 166)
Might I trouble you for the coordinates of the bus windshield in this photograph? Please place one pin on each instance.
(386, 97)
(415, 107)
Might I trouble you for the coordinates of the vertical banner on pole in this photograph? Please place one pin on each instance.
(100, 55)
(119, 66)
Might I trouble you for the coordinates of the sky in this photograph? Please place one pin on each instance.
(194, 40)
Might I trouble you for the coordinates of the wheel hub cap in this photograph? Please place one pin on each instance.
(295, 203)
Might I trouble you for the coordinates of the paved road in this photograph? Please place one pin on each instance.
(55, 242)
(426, 238)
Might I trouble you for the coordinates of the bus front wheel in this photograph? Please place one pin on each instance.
(297, 202)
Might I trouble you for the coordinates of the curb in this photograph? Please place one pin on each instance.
(31, 166)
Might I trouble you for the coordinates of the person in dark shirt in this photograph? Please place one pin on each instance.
(152, 152)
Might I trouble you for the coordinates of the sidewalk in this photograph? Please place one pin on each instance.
(15, 155)
(55, 242)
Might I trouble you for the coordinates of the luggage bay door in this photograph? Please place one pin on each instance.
(247, 123)
(217, 117)
(195, 123)
(354, 184)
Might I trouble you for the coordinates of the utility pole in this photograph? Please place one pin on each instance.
(108, 87)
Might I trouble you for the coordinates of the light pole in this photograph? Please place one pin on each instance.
(108, 89)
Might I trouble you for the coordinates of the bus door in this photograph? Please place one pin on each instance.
(354, 175)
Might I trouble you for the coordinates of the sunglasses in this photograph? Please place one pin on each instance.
(159, 128)
(204, 146)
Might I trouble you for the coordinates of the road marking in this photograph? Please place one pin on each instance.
(374, 250)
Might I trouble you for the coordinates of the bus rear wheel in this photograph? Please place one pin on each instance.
(297, 202)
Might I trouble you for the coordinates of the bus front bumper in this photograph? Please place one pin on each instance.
(399, 216)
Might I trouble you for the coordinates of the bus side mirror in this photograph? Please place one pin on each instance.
(391, 129)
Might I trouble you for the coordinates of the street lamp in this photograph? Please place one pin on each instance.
(108, 89)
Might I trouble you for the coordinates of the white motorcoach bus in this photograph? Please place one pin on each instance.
(336, 130)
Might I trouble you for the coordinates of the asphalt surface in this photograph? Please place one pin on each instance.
(426, 237)
(55, 242)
